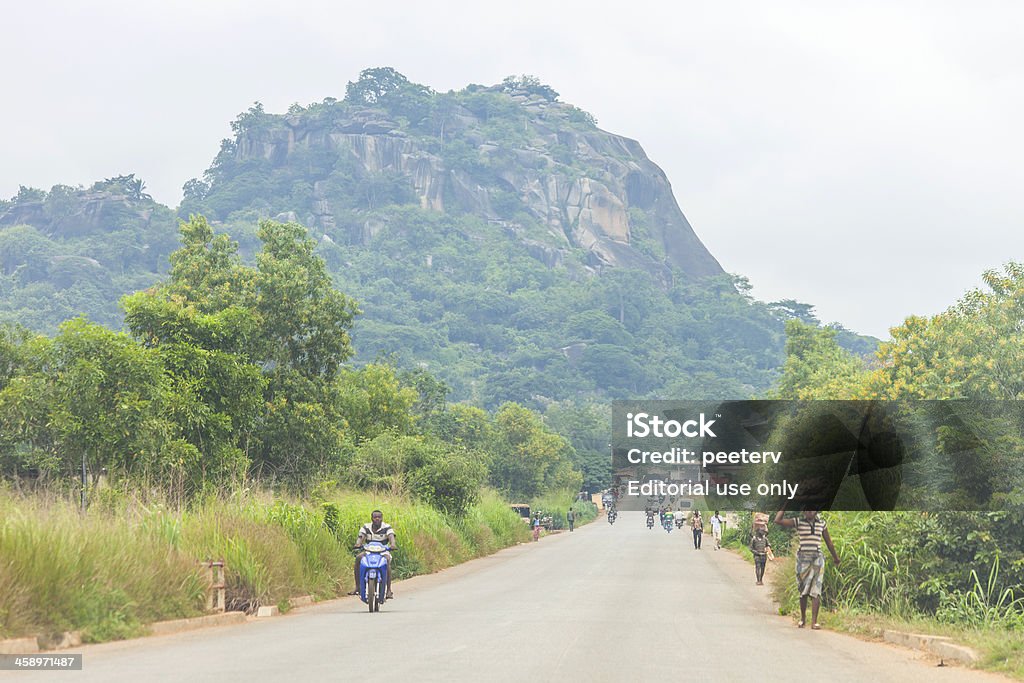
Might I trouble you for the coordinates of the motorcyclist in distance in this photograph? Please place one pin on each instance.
(378, 531)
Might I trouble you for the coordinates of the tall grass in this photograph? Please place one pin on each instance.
(97, 574)
(880, 573)
(557, 504)
(873, 576)
(124, 564)
(984, 605)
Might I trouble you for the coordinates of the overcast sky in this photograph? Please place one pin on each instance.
(862, 157)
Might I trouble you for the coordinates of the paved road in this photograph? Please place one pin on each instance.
(602, 604)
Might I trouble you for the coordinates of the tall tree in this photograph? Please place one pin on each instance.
(816, 367)
(304, 321)
(528, 458)
(972, 350)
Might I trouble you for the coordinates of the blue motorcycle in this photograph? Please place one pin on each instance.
(373, 575)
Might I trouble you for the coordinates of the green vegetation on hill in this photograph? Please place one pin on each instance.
(459, 222)
(73, 251)
(479, 288)
(233, 373)
(495, 239)
(454, 295)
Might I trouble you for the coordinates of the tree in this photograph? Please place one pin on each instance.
(253, 352)
(375, 85)
(110, 396)
(596, 326)
(25, 251)
(528, 459)
(465, 425)
(587, 428)
(529, 84)
(433, 393)
(816, 367)
(791, 309)
(372, 400)
(195, 190)
(28, 194)
(128, 184)
(249, 121)
(27, 441)
(972, 350)
(304, 321)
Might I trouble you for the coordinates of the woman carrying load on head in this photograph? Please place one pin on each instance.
(810, 561)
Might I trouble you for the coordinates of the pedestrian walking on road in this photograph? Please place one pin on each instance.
(570, 517)
(810, 561)
(759, 545)
(536, 527)
(716, 529)
(698, 528)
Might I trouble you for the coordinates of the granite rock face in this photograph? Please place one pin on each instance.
(588, 188)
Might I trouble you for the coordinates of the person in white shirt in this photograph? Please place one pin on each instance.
(716, 529)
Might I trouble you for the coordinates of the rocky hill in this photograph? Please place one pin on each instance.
(510, 153)
(74, 251)
(494, 236)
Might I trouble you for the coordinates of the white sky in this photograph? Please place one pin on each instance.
(859, 157)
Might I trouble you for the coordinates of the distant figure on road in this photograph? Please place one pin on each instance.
(536, 527)
(759, 545)
(570, 517)
(810, 561)
(698, 528)
(716, 529)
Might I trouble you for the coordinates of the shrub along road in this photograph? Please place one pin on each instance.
(601, 604)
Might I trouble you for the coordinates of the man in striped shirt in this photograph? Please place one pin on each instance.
(378, 531)
(810, 561)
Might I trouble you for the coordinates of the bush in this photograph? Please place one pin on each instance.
(447, 477)
(557, 504)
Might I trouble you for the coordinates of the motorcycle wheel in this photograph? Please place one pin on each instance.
(371, 594)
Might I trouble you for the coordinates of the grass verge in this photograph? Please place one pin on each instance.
(557, 504)
(124, 565)
(1001, 650)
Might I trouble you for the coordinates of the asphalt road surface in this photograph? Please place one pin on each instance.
(618, 603)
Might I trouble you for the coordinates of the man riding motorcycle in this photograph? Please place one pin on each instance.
(378, 531)
(680, 518)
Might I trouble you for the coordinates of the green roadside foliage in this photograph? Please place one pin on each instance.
(950, 573)
(124, 565)
(557, 503)
(234, 373)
